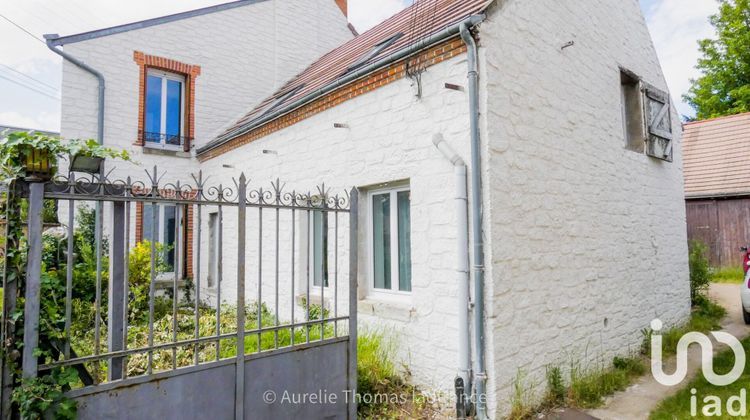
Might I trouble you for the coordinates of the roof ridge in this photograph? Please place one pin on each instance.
(723, 117)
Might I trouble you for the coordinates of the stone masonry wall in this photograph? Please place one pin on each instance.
(588, 240)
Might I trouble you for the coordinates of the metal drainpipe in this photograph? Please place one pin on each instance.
(480, 377)
(463, 388)
(85, 67)
(99, 138)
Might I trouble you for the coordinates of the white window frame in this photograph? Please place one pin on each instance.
(311, 254)
(163, 123)
(160, 232)
(394, 291)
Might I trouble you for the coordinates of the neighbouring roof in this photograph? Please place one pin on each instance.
(414, 24)
(716, 155)
(69, 39)
(11, 129)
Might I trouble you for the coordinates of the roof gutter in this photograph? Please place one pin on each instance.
(50, 38)
(435, 38)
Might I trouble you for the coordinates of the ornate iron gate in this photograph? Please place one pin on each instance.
(277, 321)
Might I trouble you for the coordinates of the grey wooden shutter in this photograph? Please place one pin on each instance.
(658, 119)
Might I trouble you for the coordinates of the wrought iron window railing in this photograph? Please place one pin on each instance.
(165, 141)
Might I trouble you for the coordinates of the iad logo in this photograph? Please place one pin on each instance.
(707, 357)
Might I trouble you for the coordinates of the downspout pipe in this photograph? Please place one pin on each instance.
(480, 376)
(99, 77)
(99, 210)
(462, 274)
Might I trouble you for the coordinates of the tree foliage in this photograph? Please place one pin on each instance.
(724, 87)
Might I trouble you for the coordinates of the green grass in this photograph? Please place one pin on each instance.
(589, 387)
(727, 275)
(706, 316)
(678, 406)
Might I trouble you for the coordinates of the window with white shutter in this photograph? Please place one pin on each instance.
(646, 117)
(657, 110)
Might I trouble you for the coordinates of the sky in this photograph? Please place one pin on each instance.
(30, 74)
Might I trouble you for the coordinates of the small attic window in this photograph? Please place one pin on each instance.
(377, 49)
(281, 99)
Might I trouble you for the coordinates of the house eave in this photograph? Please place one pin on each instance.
(447, 33)
(56, 40)
(707, 196)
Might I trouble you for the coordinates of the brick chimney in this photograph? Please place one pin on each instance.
(343, 6)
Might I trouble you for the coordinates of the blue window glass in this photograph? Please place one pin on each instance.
(174, 101)
(153, 105)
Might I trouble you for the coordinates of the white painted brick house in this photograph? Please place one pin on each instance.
(581, 200)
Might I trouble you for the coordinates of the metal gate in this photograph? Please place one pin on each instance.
(268, 329)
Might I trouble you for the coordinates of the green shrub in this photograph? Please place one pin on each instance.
(700, 274)
(139, 279)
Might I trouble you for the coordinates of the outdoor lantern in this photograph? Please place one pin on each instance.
(88, 164)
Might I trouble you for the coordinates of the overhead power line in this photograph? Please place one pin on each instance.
(30, 77)
(29, 87)
(23, 29)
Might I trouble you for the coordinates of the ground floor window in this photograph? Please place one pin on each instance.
(389, 244)
(164, 231)
(319, 248)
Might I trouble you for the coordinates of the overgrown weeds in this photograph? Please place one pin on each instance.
(384, 391)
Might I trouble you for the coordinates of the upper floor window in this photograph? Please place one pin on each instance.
(165, 104)
(646, 117)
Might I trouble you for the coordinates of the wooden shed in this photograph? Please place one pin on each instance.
(716, 156)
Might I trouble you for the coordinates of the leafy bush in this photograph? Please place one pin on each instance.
(700, 274)
(139, 270)
(42, 397)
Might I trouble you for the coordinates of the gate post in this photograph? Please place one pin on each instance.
(239, 388)
(33, 280)
(353, 297)
(116, 292)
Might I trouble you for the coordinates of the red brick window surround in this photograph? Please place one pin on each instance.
(189, 71)
(186, 234)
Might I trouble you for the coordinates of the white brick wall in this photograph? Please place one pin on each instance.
(580, 229)
(389, 139)
(245, 54)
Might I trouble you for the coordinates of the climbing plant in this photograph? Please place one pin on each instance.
(43, 396)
